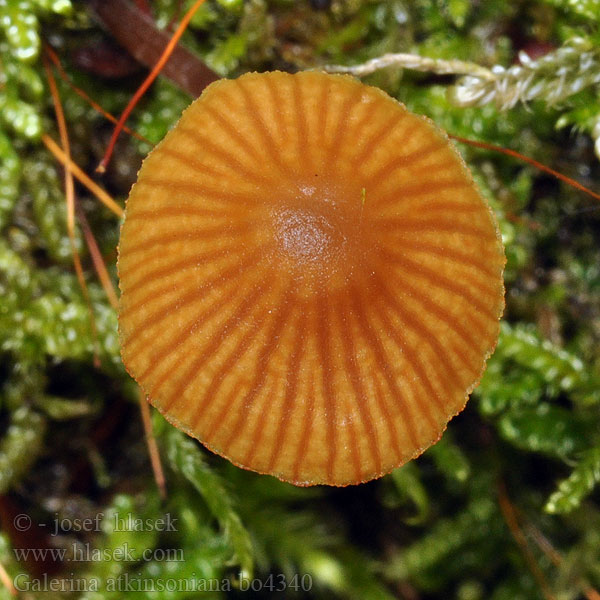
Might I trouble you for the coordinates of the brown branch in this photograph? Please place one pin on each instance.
(138, 34)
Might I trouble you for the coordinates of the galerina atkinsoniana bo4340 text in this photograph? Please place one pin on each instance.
(311, 282)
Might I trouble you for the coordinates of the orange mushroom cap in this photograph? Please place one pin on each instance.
(311, 282)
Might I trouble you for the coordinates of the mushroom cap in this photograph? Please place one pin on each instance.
(311, 282)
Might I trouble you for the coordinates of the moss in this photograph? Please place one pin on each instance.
(71, 443)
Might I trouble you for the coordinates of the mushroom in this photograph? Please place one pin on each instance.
(311, 282)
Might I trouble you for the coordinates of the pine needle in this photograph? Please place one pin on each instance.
(91, 185)
(6, 581)
(70, 204)
(529, 161)
(97, 259)
(157, 468)
(56, 62)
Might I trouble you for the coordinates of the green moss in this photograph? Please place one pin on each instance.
(10, 177)
(71, 443)
(21, 446)
(45, 188)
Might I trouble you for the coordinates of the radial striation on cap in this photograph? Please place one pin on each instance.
(311, 282)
